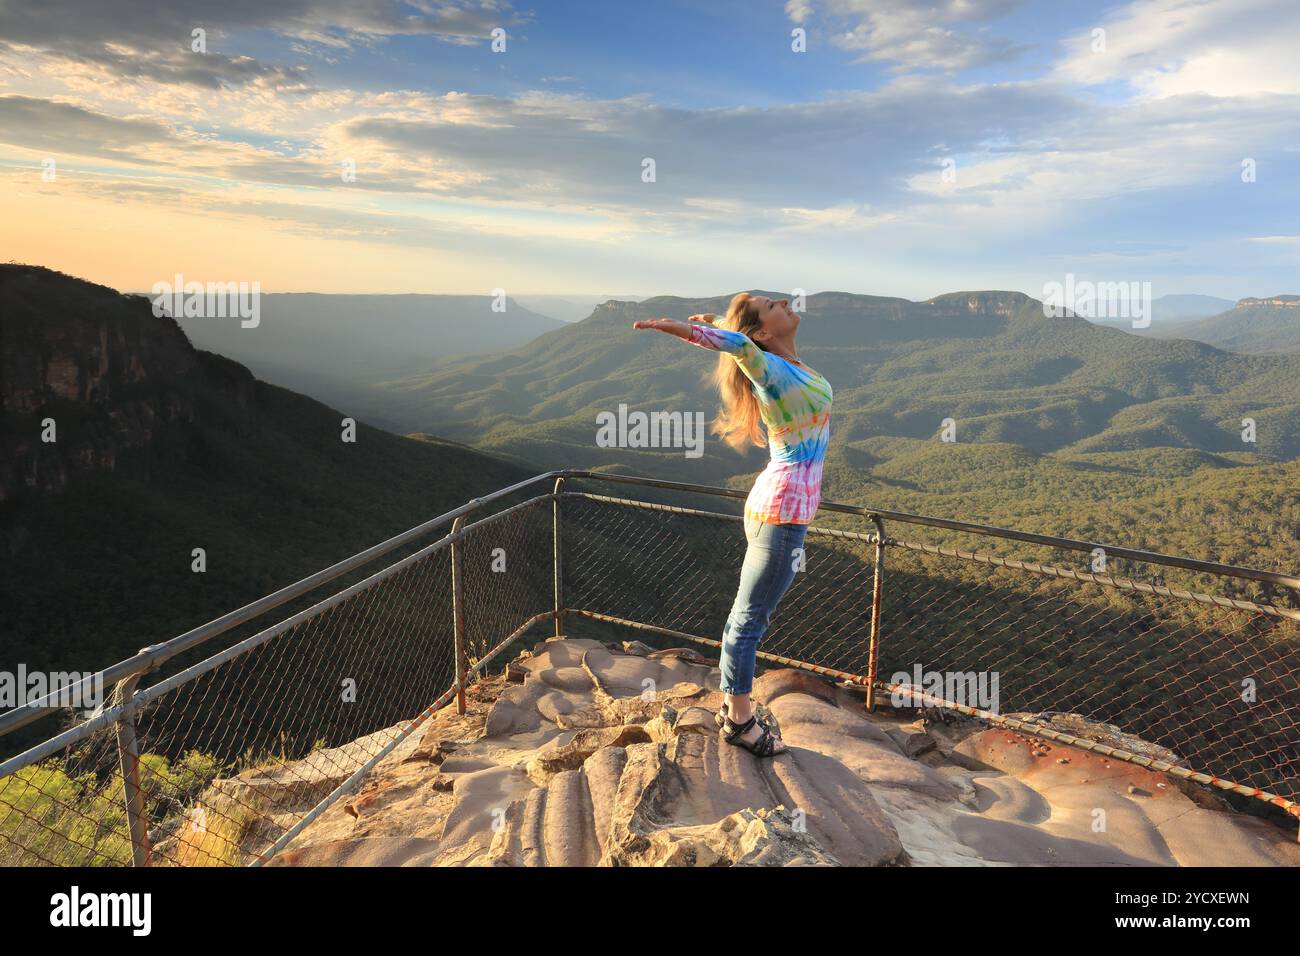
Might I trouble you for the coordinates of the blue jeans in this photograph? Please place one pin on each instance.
(769, 569)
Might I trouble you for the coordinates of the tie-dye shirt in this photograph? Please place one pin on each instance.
(795, 405)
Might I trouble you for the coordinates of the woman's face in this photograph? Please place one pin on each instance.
(776, 316)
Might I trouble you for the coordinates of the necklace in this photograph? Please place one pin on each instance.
(804, 367)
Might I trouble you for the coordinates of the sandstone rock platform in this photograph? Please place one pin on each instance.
(585, 754)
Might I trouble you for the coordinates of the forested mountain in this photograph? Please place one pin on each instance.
(990, 361)
(335, 347)
(1061, 426)
(160, 449)
(1253, 326)
(1175, 310)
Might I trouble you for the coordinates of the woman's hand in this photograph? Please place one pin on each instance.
(705, 317)
(680, 329)
(659, 325)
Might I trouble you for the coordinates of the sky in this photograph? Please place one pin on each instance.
(909, 148)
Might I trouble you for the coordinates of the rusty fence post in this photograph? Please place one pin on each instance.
(877, 586)
(128, 761)
(458, 612)
(558, 609)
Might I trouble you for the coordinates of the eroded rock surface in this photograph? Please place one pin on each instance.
(584, 754)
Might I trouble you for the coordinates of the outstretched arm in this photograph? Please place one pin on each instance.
(680, 329)
(751, 359)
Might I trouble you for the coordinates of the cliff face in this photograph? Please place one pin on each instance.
(1279, 301)
(982, 303)
(1253, 326)
(114, 378)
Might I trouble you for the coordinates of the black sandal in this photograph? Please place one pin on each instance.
(764, 746)
(720, 717)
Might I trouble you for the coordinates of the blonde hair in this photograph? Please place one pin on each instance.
(739, 422)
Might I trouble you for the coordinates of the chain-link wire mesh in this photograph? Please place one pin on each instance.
(1218, 686)
(658, 567)
(508, 564)
(238, 749)
(67, 810)
(289, 720)
(677, 570)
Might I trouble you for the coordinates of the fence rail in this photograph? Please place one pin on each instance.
(226, 760)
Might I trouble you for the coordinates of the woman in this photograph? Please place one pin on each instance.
(761, 377)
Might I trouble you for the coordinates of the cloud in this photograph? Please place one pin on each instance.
(1041, 162)
(160, 22)
(150, 40)
(912, 35)
(50, 126)
(1173, 47)
(854, 164)
(798, 10)
(578, 151)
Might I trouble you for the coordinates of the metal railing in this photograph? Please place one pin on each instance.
(226, 759)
